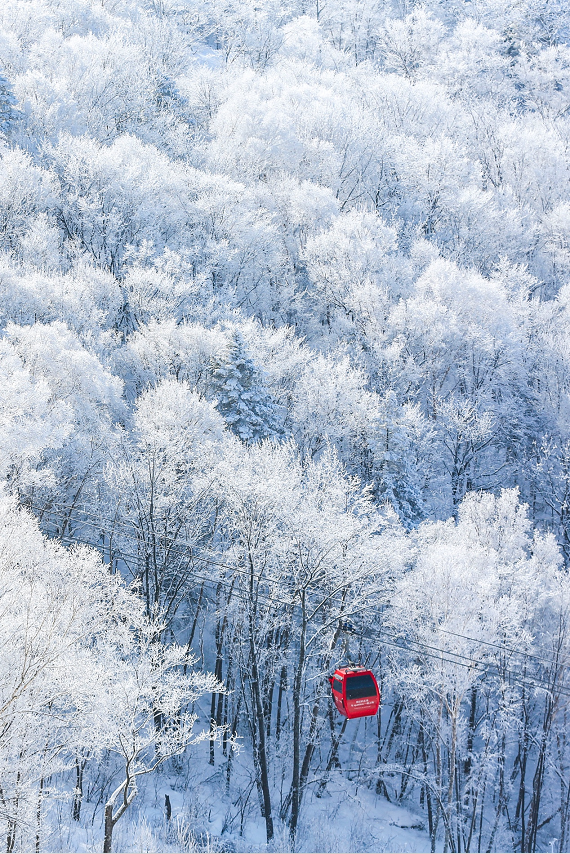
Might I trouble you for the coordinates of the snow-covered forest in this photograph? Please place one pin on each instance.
(284, 343)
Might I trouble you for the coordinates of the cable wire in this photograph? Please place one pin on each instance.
(437, 653)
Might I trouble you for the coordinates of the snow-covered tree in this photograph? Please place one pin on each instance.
(242, 400)
(81, 671)
(9, 113)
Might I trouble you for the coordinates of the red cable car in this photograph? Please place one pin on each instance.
(355, 691)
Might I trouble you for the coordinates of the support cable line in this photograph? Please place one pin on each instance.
(213, 581)
(534, 681)
(410, 646)
(502, 647)
(168, 543)
(177, 547)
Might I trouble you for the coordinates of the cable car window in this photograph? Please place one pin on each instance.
(337, 685)
(358, 687)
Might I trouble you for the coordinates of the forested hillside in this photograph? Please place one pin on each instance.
(284, 382)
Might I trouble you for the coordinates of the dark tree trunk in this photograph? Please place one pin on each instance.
(282, 689)
(108, 838)
(78, 794)
(260, 748)
(297, 684)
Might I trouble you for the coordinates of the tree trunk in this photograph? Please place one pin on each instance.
(108, 838)
(538, 779)
(427, 790)
(110, 819)
(310, 749)
(260, 748)
(333, 758)
(231, 753)
(194, 624)
(282, 689)
(12, 821)
(297, 683)
(216, 705)
(449, 840)
(39, 815)
(523, 760)
(78, 794)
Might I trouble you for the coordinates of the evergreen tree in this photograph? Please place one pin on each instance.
(9, 114)
(401, 455)
(242, 399)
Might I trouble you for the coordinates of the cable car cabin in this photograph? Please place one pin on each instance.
(355, 692)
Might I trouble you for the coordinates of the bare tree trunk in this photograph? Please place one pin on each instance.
(538, 779)
(78, 794)
(108, 838)
(333, 758)
(219, 639)
(12, 823)
(449, 839)
(393, 729)
(260, 747)
(297, 683)
(561, 743)
(194, 624)
(470, 734)
(422, 741)
(438, 767)
(112, 819)
(231, 753)
(223, 712)
(310, 749)
(39, 815)
(282, 689)
(523, 759)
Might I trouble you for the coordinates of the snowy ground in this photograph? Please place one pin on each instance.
(348, 818)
